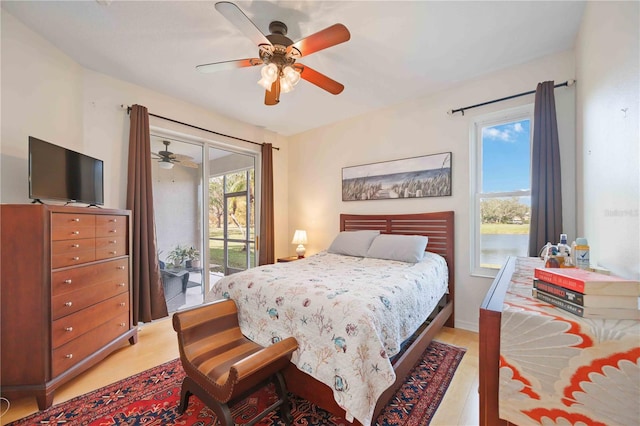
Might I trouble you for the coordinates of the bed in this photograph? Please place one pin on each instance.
(351, 318)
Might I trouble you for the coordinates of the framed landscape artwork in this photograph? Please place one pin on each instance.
(417, 177)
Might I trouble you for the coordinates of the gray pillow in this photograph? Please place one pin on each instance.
(353, 243)
(405, 248)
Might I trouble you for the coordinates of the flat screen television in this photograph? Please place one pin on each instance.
(57, 173)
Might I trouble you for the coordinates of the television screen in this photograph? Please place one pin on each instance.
(57, 173)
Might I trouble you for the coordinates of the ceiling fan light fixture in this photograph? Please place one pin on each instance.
(270, 71)
(266, 83)
(167, 165)
(269, 74)
(291, 74)
(285, 85)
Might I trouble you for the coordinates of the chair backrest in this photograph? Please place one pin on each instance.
(215, 321)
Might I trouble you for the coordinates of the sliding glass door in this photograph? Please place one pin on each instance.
(205, 215)
(177, 192)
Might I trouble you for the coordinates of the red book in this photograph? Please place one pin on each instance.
(588, 282)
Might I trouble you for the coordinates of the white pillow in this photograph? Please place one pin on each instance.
(353, 243)
(404, 248)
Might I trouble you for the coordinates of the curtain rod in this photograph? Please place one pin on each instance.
(201, 128)
(462, 110)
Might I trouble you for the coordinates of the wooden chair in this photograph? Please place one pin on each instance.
(223, 366)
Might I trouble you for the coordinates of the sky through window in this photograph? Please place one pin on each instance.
(506, 157)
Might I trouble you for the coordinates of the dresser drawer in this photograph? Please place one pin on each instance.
(75, 325)
(69, 226)
(111, 226)
(107, 247)
(64, 305)
(74, 351)
(72, 252)
(72, 279)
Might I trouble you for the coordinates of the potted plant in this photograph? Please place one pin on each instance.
(177, 256)
(193, 257)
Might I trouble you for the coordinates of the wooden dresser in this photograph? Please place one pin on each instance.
(489, 355)
(540, 364)
(66, 294)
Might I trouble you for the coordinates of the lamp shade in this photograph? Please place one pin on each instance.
(299, 237)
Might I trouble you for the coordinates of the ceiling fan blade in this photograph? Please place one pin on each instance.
(189, 164)
(272, 97)
(182, 157)
(328, 37)
(242, 22)
(229, 65)
(319, 79)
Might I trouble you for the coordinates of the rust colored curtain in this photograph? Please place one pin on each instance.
(546, 193)
(148, 294)
(266, 244)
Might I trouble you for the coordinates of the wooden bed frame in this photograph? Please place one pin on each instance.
(440, 230)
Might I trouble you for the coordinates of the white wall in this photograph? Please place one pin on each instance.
(41, 97)
(47, 95)
(608, 73)
(417, 128)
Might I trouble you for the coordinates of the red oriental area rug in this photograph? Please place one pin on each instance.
(152, 398)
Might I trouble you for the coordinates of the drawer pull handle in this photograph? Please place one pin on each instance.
(75, 245)
(75, 258)
(75, 219)
(67, 281)
(113, 220)
(68, 329)
(68, 304)
(113, 252)
(68, 356)
(123, 304)
(121, 268)
(121, 285)
(122, 324)
(112, 241)
(113, 231)
(76, 232)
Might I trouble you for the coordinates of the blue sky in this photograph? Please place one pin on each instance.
(506, 157)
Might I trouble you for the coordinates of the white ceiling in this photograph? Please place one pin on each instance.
(399, 50)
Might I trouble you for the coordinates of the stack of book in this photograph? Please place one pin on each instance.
(588, 294)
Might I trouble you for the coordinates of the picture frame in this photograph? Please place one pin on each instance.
(415, 177)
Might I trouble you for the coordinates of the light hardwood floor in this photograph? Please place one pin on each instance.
(157, 344)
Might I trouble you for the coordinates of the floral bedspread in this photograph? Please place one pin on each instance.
(349, 315)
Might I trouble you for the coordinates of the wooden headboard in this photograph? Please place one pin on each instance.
(437, 226)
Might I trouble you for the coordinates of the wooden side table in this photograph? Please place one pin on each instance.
(289, 259)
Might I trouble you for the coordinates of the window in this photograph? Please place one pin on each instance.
(501, 188)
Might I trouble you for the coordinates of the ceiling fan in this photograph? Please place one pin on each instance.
(167, 159)
(279, 54)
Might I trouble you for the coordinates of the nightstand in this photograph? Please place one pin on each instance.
(289, 259)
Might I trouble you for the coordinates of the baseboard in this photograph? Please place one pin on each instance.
(467, 325)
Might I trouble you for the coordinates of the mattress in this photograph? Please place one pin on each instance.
(350, 315)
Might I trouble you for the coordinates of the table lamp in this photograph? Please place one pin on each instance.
(300, 238)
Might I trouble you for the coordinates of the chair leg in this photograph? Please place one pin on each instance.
(185, 394)
(190, 387)
(281, 390)
(222, 411)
